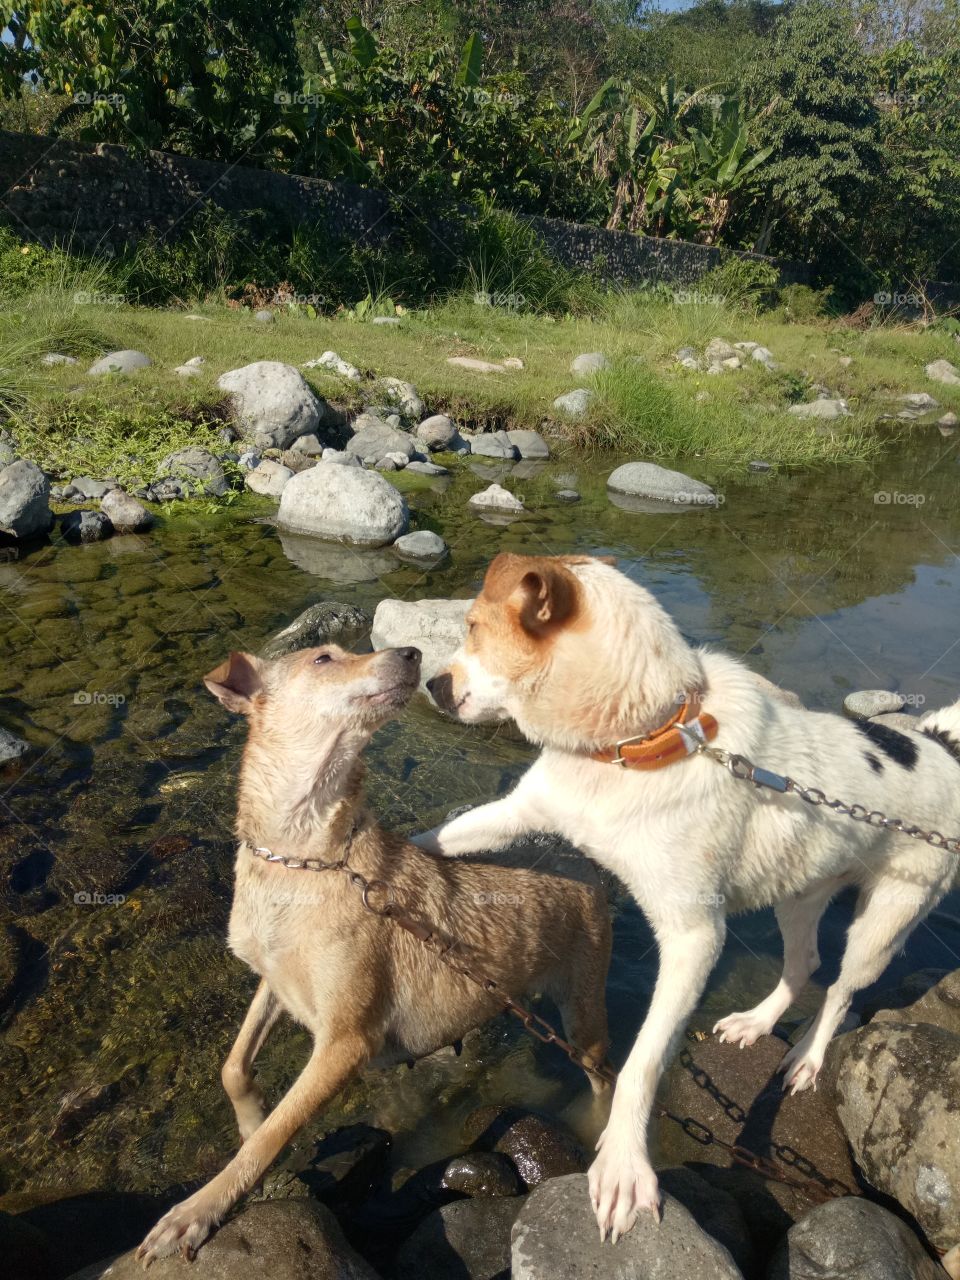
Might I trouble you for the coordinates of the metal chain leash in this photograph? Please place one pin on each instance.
(443, 947)
(744, 769)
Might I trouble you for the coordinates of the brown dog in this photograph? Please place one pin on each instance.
(368, 991)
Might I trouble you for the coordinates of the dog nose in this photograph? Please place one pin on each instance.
(410, 654)
(440, 688)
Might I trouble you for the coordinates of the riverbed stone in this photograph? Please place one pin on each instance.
(57, 357)
(568, 495)
(539, 1146)
(125, 512)
(196, 470)
(403, 396)
(439, 433)
(494, 444)
(825, 408)
(921, 401)
(866, 703)
(11, 747)
(423, 544)
(335, 364)
(8, 449)
(310, 445)
(943, 371)
(467, 1240)
(589, 362)
(555, 1234)
(719, 349)
(576, 403)
(950, 420)
(529, 444)
(85, 526)
(762, 355)
(340, 458)
(274, 403)
(269, 478)
(427, 468)
(282, 1239)
(87, 489)
(123, 362)
(852, 1239)
(650, 481)
(328, 621)
(478, 366)
(373, 440)
(496, 498)
(898, 1096)
(436, 627)
(344, 504)
(24, 500)
(481, 1173)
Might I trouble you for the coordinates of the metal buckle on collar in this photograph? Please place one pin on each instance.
(625, 742)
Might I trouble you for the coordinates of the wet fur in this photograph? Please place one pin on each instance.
(370, 994)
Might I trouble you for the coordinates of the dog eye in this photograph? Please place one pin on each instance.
(321, 658)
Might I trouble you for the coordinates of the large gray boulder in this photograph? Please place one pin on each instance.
(120, 362)
(436, 627)
(343, 504)
(280, 1239)
(274, 403)
(24, 500)
(124, 512)
(898, 1095)
(467, 1240)
(373, 440)
(188, 472)
(852, 1239)
(529, 444)
(439, 433)
(494, 444)
(555, 1234)
(323, 623)
(647, 480)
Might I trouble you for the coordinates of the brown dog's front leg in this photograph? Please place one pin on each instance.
(237, 1074)
(188, 1224)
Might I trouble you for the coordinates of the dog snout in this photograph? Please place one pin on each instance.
(409, 654)
(440, 688)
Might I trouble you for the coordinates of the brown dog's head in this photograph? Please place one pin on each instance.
(574, 651)
(313, 690)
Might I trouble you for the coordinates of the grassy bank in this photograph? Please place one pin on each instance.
(645, 403)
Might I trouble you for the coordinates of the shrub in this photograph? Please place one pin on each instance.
(748, 284)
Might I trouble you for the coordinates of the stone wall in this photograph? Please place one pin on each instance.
(103, 198)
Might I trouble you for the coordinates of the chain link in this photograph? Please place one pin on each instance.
(743, 768)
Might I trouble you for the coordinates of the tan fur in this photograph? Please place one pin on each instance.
(368, 991)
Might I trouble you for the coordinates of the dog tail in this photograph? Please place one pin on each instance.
(944, 727)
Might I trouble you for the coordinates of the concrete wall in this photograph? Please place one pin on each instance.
(102, 197)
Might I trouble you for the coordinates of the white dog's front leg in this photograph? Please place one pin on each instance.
(622, 1180)
(489, 826)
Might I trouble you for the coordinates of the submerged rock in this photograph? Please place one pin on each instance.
(898, 1093)
(11, 747)
(496, 498)
(343, 504)
(481, 1173)
(538, 1146)
(421, 545)
(85, 526)
(556, 1235)
(648, 480)
(323, 623)
(852, 1239)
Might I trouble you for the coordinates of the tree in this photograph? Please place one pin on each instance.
(823, 174)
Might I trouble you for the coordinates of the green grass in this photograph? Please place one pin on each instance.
(644, 404)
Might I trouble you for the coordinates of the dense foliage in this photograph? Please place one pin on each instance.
(786, 128)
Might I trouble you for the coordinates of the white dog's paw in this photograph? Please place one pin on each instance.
(181, 1230)
(743, 1029)
(800, 1068)
(621, 1187)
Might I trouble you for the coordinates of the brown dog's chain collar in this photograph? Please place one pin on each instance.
(443, 947)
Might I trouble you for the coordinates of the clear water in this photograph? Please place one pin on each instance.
(130, 995)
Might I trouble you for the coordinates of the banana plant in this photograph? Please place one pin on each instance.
(725, 161)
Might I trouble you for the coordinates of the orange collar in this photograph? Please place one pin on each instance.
(674, 740)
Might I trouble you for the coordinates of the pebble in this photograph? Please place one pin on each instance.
(872, 702)
(568, 495)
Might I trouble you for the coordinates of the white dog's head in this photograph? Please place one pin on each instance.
(570, 648)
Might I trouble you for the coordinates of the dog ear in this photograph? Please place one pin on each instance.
(547, 596)
(236, 681)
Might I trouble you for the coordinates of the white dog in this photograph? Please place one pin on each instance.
(582, 658)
